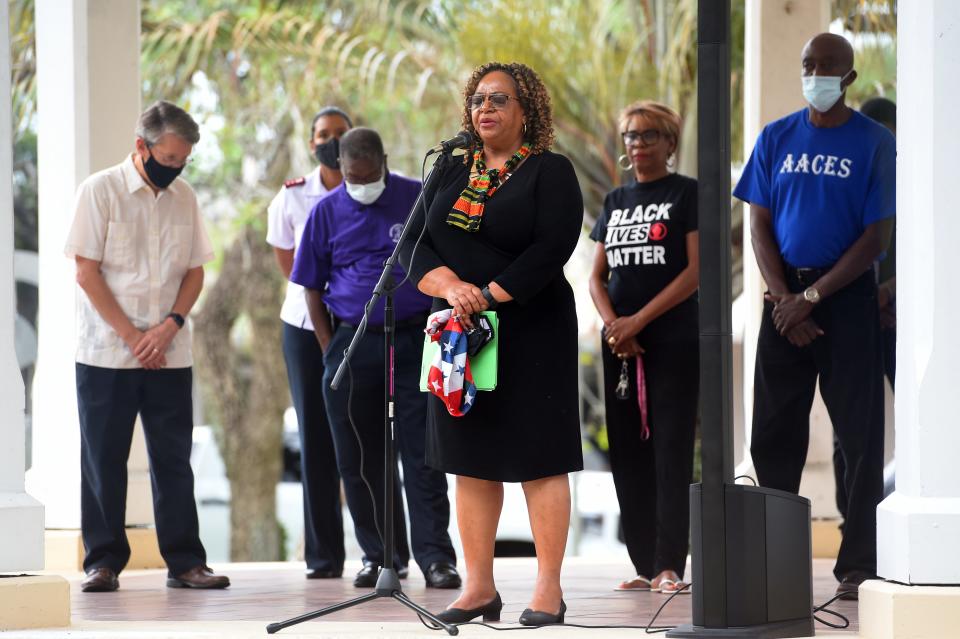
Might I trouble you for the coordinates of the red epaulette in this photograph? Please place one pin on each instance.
(300, 181)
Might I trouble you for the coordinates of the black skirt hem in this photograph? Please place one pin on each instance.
(510, 478)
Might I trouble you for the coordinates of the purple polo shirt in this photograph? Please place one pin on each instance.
(345, 244)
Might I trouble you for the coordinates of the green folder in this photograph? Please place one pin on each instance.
(483, 366)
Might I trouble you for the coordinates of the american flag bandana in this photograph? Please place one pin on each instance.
(449, 377)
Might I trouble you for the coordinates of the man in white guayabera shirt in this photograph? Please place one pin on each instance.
(139, 244)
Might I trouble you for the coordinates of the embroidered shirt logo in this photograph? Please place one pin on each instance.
(395, 231)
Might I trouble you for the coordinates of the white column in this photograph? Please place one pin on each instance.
(88, 94)
(919, 524)
(775, 35)
(21, 516)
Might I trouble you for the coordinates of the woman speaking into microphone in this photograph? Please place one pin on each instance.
(499, 227)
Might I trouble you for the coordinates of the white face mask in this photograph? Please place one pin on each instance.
(367, 193)
(823, 91)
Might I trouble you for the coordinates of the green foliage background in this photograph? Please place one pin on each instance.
(257, 70)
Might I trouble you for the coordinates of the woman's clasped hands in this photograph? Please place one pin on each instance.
(621, 336)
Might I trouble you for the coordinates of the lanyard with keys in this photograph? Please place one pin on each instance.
(623, 392)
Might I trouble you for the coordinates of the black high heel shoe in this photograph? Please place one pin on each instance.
(490, 611)
(537, 618)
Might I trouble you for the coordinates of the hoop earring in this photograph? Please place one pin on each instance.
(524, 132)
(627, 166)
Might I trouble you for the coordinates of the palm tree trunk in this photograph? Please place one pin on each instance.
(245, 384)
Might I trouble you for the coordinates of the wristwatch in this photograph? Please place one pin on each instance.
(487, 295)
(177, 318)
(812, 295)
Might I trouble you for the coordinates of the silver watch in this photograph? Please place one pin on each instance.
(812, 295)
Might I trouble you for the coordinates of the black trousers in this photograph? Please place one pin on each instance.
(425, 488)
(888, 341)
(109, 400)
(848, 362)
(322, 513)
(653, 477)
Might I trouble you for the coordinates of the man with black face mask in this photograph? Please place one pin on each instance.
(287, 215)
(139, 244)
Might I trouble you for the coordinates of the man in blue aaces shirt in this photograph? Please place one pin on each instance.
(821, 187)
(347, 238)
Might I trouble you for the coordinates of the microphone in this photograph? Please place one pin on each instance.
(461, 140)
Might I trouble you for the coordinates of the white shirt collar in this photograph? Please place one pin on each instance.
(314, 185)
(132, 177)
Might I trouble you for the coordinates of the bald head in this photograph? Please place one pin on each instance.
(827, 54)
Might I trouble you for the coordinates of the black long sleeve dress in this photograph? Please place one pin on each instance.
(529, 427)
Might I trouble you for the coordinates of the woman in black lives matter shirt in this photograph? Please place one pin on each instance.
(644, 283)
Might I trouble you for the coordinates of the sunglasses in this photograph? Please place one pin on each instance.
(649, 137)
(497, 100)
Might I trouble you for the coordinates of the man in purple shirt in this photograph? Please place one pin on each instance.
(347, 238)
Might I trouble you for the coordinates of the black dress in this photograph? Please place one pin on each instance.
(529, 427)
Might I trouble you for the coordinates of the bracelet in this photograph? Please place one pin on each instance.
(487, 295)
(177, 318)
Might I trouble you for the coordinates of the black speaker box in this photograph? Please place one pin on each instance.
(769, 580)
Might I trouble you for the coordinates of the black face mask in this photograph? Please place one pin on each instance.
(159, 174)
(328, 153)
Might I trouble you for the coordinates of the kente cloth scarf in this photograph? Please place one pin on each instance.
(468, 209)
(449, 377)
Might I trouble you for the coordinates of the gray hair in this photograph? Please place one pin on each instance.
(164, 117)
(361, 143)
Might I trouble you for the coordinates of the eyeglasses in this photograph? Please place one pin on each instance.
(649, 137)
(497, 100)
(170, 160)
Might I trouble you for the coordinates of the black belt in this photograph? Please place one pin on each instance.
(805, 276)
(417, 320)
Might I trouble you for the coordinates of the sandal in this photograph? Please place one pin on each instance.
(669, 587)
(637, 583)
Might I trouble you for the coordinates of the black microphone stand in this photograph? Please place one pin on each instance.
(388, 582)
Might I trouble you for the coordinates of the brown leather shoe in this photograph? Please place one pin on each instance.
(849, 588)
(100, 580)
(198, 577)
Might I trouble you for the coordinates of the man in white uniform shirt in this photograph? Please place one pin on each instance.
(287, 214)
(139, 245)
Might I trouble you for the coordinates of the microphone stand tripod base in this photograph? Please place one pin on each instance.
(388, 586)
(388, 582)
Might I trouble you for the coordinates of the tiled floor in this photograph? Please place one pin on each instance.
(263, 593)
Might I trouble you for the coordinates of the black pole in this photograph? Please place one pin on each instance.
(750, 546)
(716, 338)
(389, 456)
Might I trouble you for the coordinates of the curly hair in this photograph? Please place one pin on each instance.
(534, 99)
